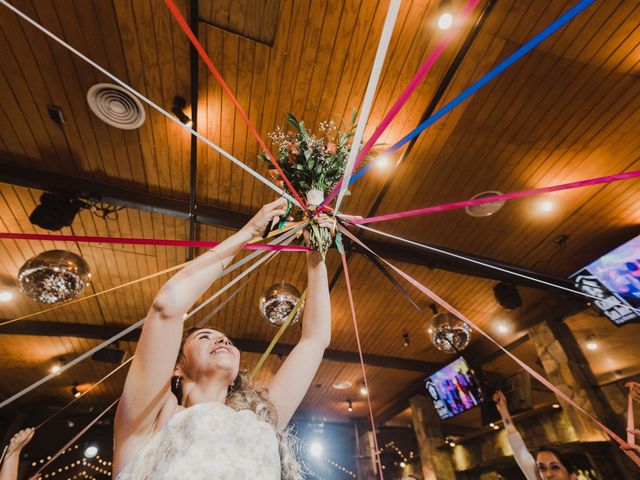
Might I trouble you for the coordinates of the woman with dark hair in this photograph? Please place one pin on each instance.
(549, 464)
(223, 427)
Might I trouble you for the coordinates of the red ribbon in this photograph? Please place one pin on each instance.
(143, 241)
(364, 373)
(526, 367)
(203, 55)
(504, 196)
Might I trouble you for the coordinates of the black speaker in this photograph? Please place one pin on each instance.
(55, 211)
(507, 296)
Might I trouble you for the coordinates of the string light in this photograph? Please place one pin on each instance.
(349, 406)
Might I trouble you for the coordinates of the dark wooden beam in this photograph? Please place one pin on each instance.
(131, 196)
(102, 332)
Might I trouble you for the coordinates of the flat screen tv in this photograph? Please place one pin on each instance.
(454, 389)
(615, 279)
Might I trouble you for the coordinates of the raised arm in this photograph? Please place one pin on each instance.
(523, 457)
(11, 462)
(294, 377)
(147, 387)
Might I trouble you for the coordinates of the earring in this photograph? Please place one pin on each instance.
(176, 382)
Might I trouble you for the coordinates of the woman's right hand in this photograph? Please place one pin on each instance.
(501, 403)
(260, 221)
(20, 440)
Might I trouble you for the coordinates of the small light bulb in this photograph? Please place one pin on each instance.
(6, 296)
(502, 328)
(91, 451)
(402, 464)
(546, 206)
(556, 405)
(445, 21)
(56, 369)
(592, 345)
(452, 444)
(364, 391)
(315, 449)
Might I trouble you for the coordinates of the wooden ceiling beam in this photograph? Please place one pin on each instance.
(103, 332)
(131, 196)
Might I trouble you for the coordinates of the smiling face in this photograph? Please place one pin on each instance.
(551, 468)
(209, 352)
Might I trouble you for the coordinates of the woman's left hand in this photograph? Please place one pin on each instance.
(260, 221)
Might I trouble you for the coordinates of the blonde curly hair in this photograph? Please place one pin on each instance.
(245, 395)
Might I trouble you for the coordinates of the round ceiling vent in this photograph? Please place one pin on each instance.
(342, 385)
(116, 106)
(485, 209)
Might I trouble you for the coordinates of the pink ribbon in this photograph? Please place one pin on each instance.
(526, 367)
(404, 96)
(364, 373)
(504, 196)
(142, 241)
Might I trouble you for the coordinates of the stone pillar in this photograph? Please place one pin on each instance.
(566, 367)
(566, 372)
(436, 460)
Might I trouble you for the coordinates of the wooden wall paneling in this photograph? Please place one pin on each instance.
(326, 45)
(19, 109)
(256, 194)
(242, 184)
(59, 73)
(132, 47)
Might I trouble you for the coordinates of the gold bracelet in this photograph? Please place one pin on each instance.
(219, 258)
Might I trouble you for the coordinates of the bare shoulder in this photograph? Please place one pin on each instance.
(128, 444)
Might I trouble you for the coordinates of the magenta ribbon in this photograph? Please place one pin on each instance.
(142, 241)
(504, 196)
(410, 88)
(526, 367)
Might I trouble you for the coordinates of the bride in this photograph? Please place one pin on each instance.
(186, 411)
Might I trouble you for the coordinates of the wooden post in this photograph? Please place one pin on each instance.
(436, 461)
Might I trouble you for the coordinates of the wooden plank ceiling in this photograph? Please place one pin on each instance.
(569, 110)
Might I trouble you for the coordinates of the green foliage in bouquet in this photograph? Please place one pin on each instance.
(314, 164)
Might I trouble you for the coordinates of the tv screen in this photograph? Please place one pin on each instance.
(615, 279)
(454, 389)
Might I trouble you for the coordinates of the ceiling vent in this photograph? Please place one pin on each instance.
(115, 106)
(485, 209)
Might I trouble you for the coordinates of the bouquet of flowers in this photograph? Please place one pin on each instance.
(314, 164)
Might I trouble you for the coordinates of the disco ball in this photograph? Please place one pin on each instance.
(54, 276)
(277, 302)
(448, 333)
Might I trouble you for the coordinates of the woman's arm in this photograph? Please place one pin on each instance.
(147, 386)
(11, 462)
(292, 381)
(521, 454)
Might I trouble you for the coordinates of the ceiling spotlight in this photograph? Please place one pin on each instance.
(55, 211)
(405, 339)
(363, 390)
(55, 368)
(91, 451)
(349, 406)
(446, 18)
(6, 296)
(179, 104)
(496, 427)
(315, 449)
(383, 162)
(556, 405)
(75, 392)
(452, 444)
(402, 464)
(502, 328)
(592, 344)
(546, 206)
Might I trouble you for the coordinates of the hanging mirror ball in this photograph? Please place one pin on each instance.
(54, 276)
(277, 302)
(448, 333)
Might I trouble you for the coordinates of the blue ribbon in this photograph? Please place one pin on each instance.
(490, 75)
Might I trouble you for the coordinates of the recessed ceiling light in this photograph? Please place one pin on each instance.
(383, 161)
(556, 405)
(502, 328)
(315, 449)
(592, 345)
(547, 206)
(6, 296)
(445, 21)
(55, 369)
(342, 385)
(363, 391)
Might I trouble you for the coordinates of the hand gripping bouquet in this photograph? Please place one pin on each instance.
(314, 164)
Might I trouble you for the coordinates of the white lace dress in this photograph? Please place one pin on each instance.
(208, 441)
